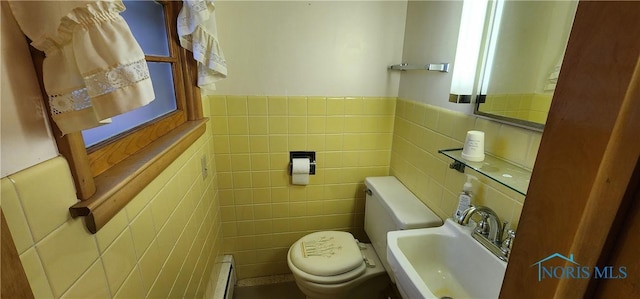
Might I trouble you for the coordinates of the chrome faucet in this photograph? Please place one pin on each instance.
(495, 226)
(489, 231)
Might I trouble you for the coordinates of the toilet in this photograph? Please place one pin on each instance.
(333, 264)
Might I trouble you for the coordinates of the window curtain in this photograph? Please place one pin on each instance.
(198, 34)
(94, 69)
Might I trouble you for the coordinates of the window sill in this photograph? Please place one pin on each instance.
(120, 184)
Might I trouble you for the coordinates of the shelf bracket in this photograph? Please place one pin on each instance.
(457, 165)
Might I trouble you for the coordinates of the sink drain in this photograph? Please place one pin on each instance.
(446, 297)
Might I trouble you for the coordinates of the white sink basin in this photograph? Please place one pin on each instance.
(442, 262)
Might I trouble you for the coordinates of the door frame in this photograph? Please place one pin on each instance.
(589, 149)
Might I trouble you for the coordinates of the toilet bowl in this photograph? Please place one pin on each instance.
(333, 264)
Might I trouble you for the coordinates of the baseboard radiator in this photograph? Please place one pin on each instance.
(226, 279)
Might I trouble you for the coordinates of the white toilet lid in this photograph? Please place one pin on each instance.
(326, 253)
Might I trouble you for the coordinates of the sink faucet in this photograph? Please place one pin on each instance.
(495, 226)
(491, 236)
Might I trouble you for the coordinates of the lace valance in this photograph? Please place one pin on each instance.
(94, 68)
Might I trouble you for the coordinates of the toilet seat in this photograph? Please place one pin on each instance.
(327, 257)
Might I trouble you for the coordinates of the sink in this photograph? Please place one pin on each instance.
(443, 262)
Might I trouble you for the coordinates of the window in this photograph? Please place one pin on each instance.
(112, 163)
(164, 103)
(147, 22)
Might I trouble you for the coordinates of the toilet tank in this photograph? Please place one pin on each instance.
(391, 206)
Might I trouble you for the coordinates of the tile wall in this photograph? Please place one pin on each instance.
(262, 213)
(421, 130)
(163, 244)
(532, 106)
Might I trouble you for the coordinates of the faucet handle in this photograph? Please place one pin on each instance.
(483, 225)
(508, 242)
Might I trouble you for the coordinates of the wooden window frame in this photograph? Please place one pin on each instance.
(110, 174)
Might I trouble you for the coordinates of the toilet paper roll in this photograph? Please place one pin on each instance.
(474, 146)
(300, 171)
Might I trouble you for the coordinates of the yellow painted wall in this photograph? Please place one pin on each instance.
(262, 213)
(164, 243)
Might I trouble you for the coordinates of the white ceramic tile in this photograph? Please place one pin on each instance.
(47, 206)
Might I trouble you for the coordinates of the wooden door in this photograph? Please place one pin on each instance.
(623, 247)
(588, 153)
(14, 281)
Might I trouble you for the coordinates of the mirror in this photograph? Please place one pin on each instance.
(523, 51)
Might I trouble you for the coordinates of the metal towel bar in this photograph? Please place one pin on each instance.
(440, 67)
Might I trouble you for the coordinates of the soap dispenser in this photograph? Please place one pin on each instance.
(465, 198)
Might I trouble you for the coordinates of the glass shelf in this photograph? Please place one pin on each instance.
(508, 174)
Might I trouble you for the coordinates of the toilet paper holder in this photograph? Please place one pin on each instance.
(302, 154)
